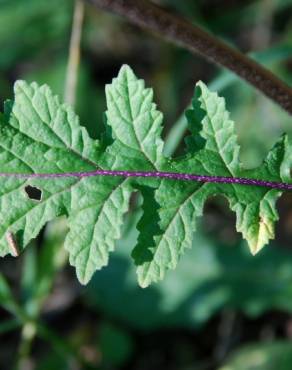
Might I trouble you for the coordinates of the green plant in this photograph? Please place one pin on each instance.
(220, 297)
(42, 141)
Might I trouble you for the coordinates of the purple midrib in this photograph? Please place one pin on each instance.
(158, 174)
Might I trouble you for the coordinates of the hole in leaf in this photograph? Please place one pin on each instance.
(33, 192)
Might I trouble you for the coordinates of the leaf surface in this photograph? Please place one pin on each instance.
(41, 135)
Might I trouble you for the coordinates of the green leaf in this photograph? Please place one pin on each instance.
(132, 115)
(181, 203)
(41, 135)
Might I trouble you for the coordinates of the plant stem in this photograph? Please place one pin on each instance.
(74, 54)
(156, 174)
(179, 31)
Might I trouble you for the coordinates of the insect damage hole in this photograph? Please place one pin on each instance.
(33, 193)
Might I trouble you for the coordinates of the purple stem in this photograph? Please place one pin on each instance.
(167, 175)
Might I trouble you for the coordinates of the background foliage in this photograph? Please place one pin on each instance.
(222, 308)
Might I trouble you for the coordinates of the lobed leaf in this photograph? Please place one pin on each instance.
(41, 135)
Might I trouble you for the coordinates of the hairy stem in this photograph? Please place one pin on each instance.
(179, 31)
(157, 174)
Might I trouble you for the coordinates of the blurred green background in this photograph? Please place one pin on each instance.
(222, 309)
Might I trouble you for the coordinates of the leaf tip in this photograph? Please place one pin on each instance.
(254, 249)
(125, 75)
(143, 283)
(82, 278)
(201, 84)
(264, 234)
(19, 85)
(200, 88)
(126, 72)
